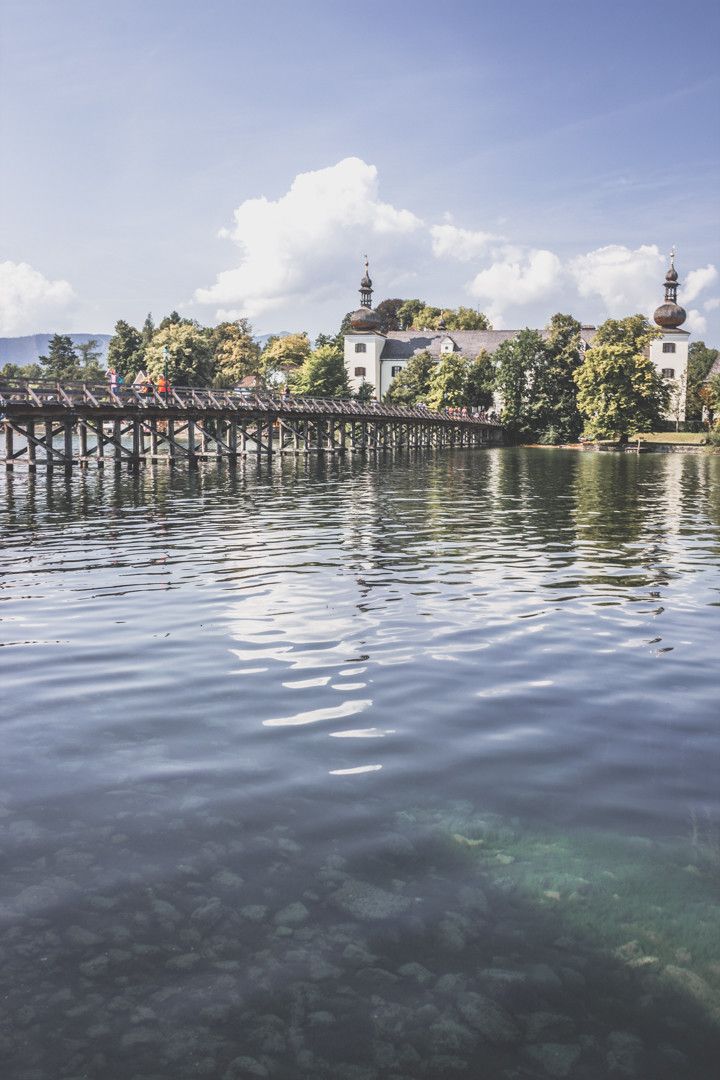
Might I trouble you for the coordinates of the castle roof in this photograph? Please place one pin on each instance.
(402, 344)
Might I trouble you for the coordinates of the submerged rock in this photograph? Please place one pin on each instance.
(369, 902)
(492, 1021)
(557, 1059)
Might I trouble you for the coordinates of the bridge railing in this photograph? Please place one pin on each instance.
(71, 394)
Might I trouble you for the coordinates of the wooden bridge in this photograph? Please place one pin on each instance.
(75, 424)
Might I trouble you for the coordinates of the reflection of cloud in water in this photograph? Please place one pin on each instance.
(514, 688)
(354, 772)
(313, 716)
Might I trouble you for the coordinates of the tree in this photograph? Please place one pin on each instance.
(388, 310)
(173, 319)
(407, 313)
(480, 381)
(61, 362)
(90, 361)
(448, 381)
(619, 390)
(125, 351)
(148, 329)
(283, 354)
(189, 354)
(520, 364)
(365, 392)
(558, 416)
(465, 318)
(323, 374)
(700, 360)
(634, 331)
(412, 384)
(31, 372)
(711, 395)
(236, 352)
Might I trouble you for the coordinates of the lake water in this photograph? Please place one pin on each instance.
(371, 770)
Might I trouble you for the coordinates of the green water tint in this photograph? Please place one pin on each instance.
(653, 905)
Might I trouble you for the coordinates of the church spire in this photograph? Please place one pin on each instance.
(366, 288)
(670, 315)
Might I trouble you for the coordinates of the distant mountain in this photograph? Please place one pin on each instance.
(28, 350)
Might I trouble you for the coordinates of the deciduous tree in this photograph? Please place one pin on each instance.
(323, 374)
(185, 350)
(236, 353)
(480, 381)
(520, 364)
(283, 354)
(700, 360)
(412, 384)
(448, 382)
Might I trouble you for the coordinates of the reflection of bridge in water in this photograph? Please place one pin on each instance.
(66, 424)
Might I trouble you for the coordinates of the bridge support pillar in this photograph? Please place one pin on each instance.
(8, 446)
(67, 444)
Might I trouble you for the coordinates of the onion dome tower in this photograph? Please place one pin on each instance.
(365, 320)
(670, 315)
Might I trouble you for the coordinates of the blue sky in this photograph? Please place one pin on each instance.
(518, 157)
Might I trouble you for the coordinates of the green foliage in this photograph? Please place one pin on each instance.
(480, 382)
(189, 353)
(31, 372)
(619, 390)
(558, 418)
(283, 354)
(148, 329)
(634, 331)
(323, 374)
(236, 353)
(448, 381)
(464, 318)
(389, 310)
(412, 384)
(713, 393)
(126, 351)
(700, 360)
(520, 368)
(407, 313)
(61, 362)
(366, 392)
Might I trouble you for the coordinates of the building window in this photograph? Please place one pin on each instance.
(361, 347)
(668, 346)
(668, 372)
(359, 372)
(395, 370)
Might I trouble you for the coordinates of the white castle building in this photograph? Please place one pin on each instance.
(376, 357)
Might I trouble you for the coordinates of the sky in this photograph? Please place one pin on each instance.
(236, 158)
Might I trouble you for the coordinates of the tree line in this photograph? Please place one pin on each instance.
(552, 388)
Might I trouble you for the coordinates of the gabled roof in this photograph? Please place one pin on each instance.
(402, 344)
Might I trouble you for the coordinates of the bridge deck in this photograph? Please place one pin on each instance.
(74, 423)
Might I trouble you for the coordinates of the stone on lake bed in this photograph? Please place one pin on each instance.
(557, 1059)
(369, 902)
(292, 915)
(487, 1017)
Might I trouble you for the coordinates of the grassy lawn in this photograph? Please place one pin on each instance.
(685, 438)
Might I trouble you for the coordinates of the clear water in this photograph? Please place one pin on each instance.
(399, 770)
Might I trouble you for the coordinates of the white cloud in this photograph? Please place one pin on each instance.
(696, 281)
(295, 245)
(29, 302)
(626, 280)
(449, 241)
(696, 323)
(712, 304)
(516, 279)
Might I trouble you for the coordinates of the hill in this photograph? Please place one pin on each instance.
(28, 350)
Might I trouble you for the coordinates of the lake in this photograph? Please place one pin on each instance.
(394, 768)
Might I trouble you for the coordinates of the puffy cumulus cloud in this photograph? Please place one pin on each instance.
(696, 281)
(696, 322)
(515, 279)
(712, 304)
(449, 241)
(626, 280)
(29, 302)
(295, 245)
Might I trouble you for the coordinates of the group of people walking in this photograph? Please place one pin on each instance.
(142, 383)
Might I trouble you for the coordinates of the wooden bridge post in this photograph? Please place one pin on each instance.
(171, 453)
(233, 440)
(192, 456)
(117, 441)
(8, 446)
(31, 448)
(99, 444)
(82, 442)
(67, 443)
(48, 440)
(153, 439)
(137, 442)
(270, 434)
